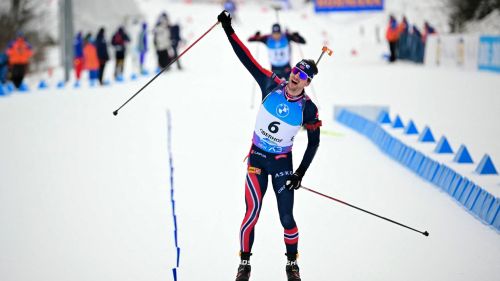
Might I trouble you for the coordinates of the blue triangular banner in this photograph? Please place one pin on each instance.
(24, 88)
(411, 129)
(486, 166)
(42, 85)
(443, 146)
(463, 155)
(3, 90)
(426, 136)
(398, 123)
(383, 118)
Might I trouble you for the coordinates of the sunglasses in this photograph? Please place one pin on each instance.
(302, 74)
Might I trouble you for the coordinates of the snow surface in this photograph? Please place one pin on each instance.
(85, 195)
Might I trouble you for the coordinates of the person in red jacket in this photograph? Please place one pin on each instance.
(90, 58)
(392, 36)
(19, 53)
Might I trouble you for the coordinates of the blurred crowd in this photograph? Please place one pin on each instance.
(91, 53)
(406, 41)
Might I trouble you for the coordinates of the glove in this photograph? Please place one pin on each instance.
(257, 34)
(293, 182)
(225, 19)
(295, 34)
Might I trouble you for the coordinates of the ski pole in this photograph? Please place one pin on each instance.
(166, 67)
(368, 212)
(311, 85)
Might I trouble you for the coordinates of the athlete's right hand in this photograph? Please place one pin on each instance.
(225, 19)
(293, 182)
(257, 34)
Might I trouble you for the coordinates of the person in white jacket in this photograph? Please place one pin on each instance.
(162, 41)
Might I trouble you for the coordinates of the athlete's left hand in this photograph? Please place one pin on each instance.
(293, 182)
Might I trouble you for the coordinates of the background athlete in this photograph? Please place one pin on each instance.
(278, 48)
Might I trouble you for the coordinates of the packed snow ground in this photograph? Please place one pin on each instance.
(85, 195)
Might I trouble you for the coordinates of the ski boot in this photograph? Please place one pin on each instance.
(244, 268)
(292, 269)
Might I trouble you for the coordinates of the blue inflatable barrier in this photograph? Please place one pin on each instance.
(455, 183)
(486, 207)
(463, 155)
(133, 76)
(77, 84)
(479, 202)
(486, 166)
(426, 135)
(443, 146)
(473, 195)
(496, 222)
(411, 129)
(494, 211)
(60, 84)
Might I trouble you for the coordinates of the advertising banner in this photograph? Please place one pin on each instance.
(348, 5)
(489, 53)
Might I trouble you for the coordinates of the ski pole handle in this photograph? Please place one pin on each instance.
(324, 50)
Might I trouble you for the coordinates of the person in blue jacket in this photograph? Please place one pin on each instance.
(285, 108)
(78, 55)
(142, 46)
(4, 67)
(102, 52)
(278, 46)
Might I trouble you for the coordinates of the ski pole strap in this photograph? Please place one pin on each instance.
(363, 210)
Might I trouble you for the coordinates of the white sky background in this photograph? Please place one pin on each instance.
(85, 195)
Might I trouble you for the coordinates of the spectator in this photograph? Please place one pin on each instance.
(90, 58)
(78, 55)
(162, 41)
(4, 67)
(119, 41)
(428, 30)
(19, 53)
(416, 45)
(142, 46)
(175, 38)
(392, 36)
(403, 46)
(278, 46)
(102, 52)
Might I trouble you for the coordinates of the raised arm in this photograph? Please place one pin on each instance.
(258, 38)
(296, 37)
(260, 74)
